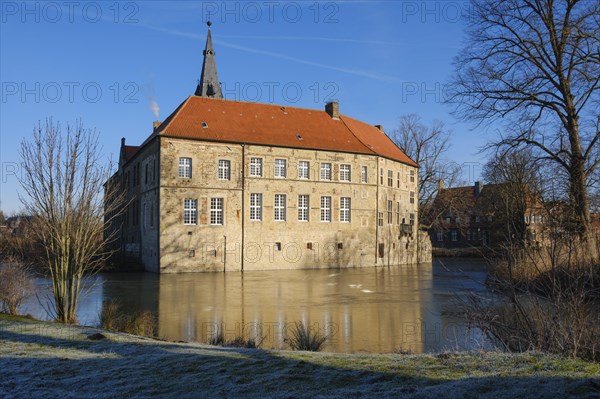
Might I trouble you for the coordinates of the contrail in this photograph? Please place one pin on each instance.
(379, 77)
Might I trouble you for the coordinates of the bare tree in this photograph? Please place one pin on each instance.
(427, 146)
(516, 194)
(535, 64)
(63, 183)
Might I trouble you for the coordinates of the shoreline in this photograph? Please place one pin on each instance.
(46, 359)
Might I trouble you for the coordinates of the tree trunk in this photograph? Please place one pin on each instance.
(578, 186)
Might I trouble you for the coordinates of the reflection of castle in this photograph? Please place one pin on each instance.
(375, 311)
(363, 311)
(227, 185)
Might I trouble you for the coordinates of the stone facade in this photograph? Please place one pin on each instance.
(363, 214)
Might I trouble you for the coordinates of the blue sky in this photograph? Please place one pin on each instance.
(106, 62)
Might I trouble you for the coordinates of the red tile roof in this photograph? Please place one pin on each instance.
(130, 151)
(274, 125)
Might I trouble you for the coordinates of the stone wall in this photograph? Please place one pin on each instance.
(271, 244)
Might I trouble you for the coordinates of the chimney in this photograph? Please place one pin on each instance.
(440, 184)
(155, 125)
(478, 188)
(122, 141)
(333, 109)
(380, 127)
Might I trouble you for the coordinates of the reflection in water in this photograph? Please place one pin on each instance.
(363, 310)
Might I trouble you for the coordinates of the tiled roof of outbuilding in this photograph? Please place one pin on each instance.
(130, 151)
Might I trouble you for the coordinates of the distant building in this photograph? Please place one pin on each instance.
(484, 216)
(229, 185)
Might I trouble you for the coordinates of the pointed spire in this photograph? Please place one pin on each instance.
(209, 86)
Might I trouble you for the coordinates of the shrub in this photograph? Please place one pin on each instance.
(15, 284)
(218, 339)
(113, 317)
(543, 303)
(303, 338)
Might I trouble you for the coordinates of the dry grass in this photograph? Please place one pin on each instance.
(218, 339)
(143, 323)
(547, 300)
(305, 338)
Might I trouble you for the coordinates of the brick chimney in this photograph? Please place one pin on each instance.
(122, 142)
(440, 184)
(333, 109)
(380, 127)
(155, 125)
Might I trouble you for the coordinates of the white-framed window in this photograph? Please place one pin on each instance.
(398, 180)
(216, 211)
(325, 171)
(454, 235)
(256, 206)
(398, 213)
(412, 219)
(364, 174)
(440, 236)
(412, 175)
(345, 209)
(381, 176)
(390, 206)
(303, 170)
(190, 211)
(279, 208)
(412, 197)
(256, 167)
(280, 168)
(390, 178)
(326, 209)
(380, 219)
(224, 169)
(303, 207)
(185, 168)
(345, 172)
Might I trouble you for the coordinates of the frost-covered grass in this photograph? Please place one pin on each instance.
(39, 359)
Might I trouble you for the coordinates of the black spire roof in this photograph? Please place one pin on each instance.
(209, 86)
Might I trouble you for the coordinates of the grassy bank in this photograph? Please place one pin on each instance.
(40, 360)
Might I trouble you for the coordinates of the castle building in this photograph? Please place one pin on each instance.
(225, 185)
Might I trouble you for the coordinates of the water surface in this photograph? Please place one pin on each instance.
(407, 308)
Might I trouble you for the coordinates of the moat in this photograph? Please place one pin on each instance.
(379, 310)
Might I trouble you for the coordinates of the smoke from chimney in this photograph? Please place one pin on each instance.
(154, 107)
